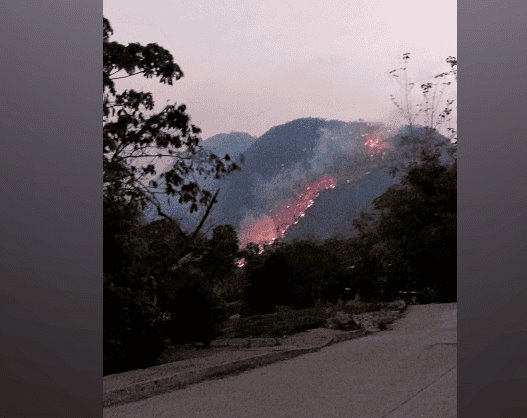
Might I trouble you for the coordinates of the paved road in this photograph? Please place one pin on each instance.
(407, 372)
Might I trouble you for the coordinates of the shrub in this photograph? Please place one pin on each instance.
(299, 274)
(281, 323)
(195, 311)
(132, 337)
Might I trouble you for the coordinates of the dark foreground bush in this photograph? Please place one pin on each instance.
(298, 274)
(195, 313)
(137, 331)
(132, 338)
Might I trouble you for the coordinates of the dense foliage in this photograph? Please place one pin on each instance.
(412, 239)
(138, 141)
(406, 244)
(147, 154)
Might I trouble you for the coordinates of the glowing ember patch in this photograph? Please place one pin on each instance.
(258, 230)
(240, 262)
(267, 229)
(375, 144)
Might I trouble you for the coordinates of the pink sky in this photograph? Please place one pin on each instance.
(250, 65)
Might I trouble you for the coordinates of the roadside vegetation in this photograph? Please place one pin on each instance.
(290, 321)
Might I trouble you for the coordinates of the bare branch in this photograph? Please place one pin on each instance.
(126, 76)
(205, 216)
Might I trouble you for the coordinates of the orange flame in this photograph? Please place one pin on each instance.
(268, 228)
(375, 144)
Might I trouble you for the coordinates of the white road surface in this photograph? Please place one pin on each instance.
(407, 372)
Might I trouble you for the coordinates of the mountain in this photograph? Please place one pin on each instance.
(309, 177)
(280, 162)
(234, 144)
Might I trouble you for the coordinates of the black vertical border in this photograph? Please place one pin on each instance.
(492, 209)
(51, 209)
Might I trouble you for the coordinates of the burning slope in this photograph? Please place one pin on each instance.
(272, 221)
(272, 226)
(288, 167)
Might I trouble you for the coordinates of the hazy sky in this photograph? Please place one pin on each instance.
(250, 65)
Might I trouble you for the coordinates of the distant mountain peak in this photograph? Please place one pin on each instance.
(233, 143)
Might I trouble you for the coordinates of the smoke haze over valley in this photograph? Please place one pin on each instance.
(308, 178)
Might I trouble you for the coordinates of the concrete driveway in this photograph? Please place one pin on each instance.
(409, 371)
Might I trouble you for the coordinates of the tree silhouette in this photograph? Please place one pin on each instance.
(149, 153)
(436, 105)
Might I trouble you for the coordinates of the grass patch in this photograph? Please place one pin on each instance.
(287, 322)
(280, 323)
(356, 308)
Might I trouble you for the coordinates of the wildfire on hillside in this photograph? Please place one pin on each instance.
(270, 226)
(266, 229)
(375, 144)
